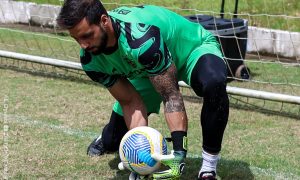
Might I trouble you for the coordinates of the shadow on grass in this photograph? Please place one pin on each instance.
(120, 174)
(234, 170)
(61, 74)
(250, 107)
(227, 170)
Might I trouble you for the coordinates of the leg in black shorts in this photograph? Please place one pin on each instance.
(113, 132)
(208, 80)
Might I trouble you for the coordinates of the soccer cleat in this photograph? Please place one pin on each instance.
(211, 175)
(96, 148)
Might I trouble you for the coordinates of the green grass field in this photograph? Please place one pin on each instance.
(52, 119)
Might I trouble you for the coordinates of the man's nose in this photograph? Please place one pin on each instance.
(84, 45)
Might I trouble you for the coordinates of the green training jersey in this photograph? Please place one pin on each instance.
(150, 39)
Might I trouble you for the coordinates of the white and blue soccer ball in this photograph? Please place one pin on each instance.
(136, 148)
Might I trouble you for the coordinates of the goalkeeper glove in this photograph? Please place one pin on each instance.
(175, 161)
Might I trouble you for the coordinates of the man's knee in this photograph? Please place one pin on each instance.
(214, 85)
(209, 75)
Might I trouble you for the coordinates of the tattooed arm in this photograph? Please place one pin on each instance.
(167, 85)
(156, 58)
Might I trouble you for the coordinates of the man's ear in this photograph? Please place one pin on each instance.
(104, 20)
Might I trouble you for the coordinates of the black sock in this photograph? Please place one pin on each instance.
(179, 139)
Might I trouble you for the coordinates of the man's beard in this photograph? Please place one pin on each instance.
(103, 42)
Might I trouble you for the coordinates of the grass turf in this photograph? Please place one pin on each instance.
(52, 120)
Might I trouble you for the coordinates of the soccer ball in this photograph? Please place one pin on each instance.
(136, 148)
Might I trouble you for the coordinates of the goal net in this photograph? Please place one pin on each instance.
(260, 41)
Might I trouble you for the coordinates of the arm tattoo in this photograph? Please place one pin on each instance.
(167, 86)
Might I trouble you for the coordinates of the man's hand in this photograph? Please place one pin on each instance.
(175, 161)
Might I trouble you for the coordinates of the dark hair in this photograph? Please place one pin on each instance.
(73, 11)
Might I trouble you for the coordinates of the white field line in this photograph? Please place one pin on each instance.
(76, 132)
(40, 124)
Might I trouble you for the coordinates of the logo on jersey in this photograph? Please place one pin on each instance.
(153, 54)
(121, 11)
